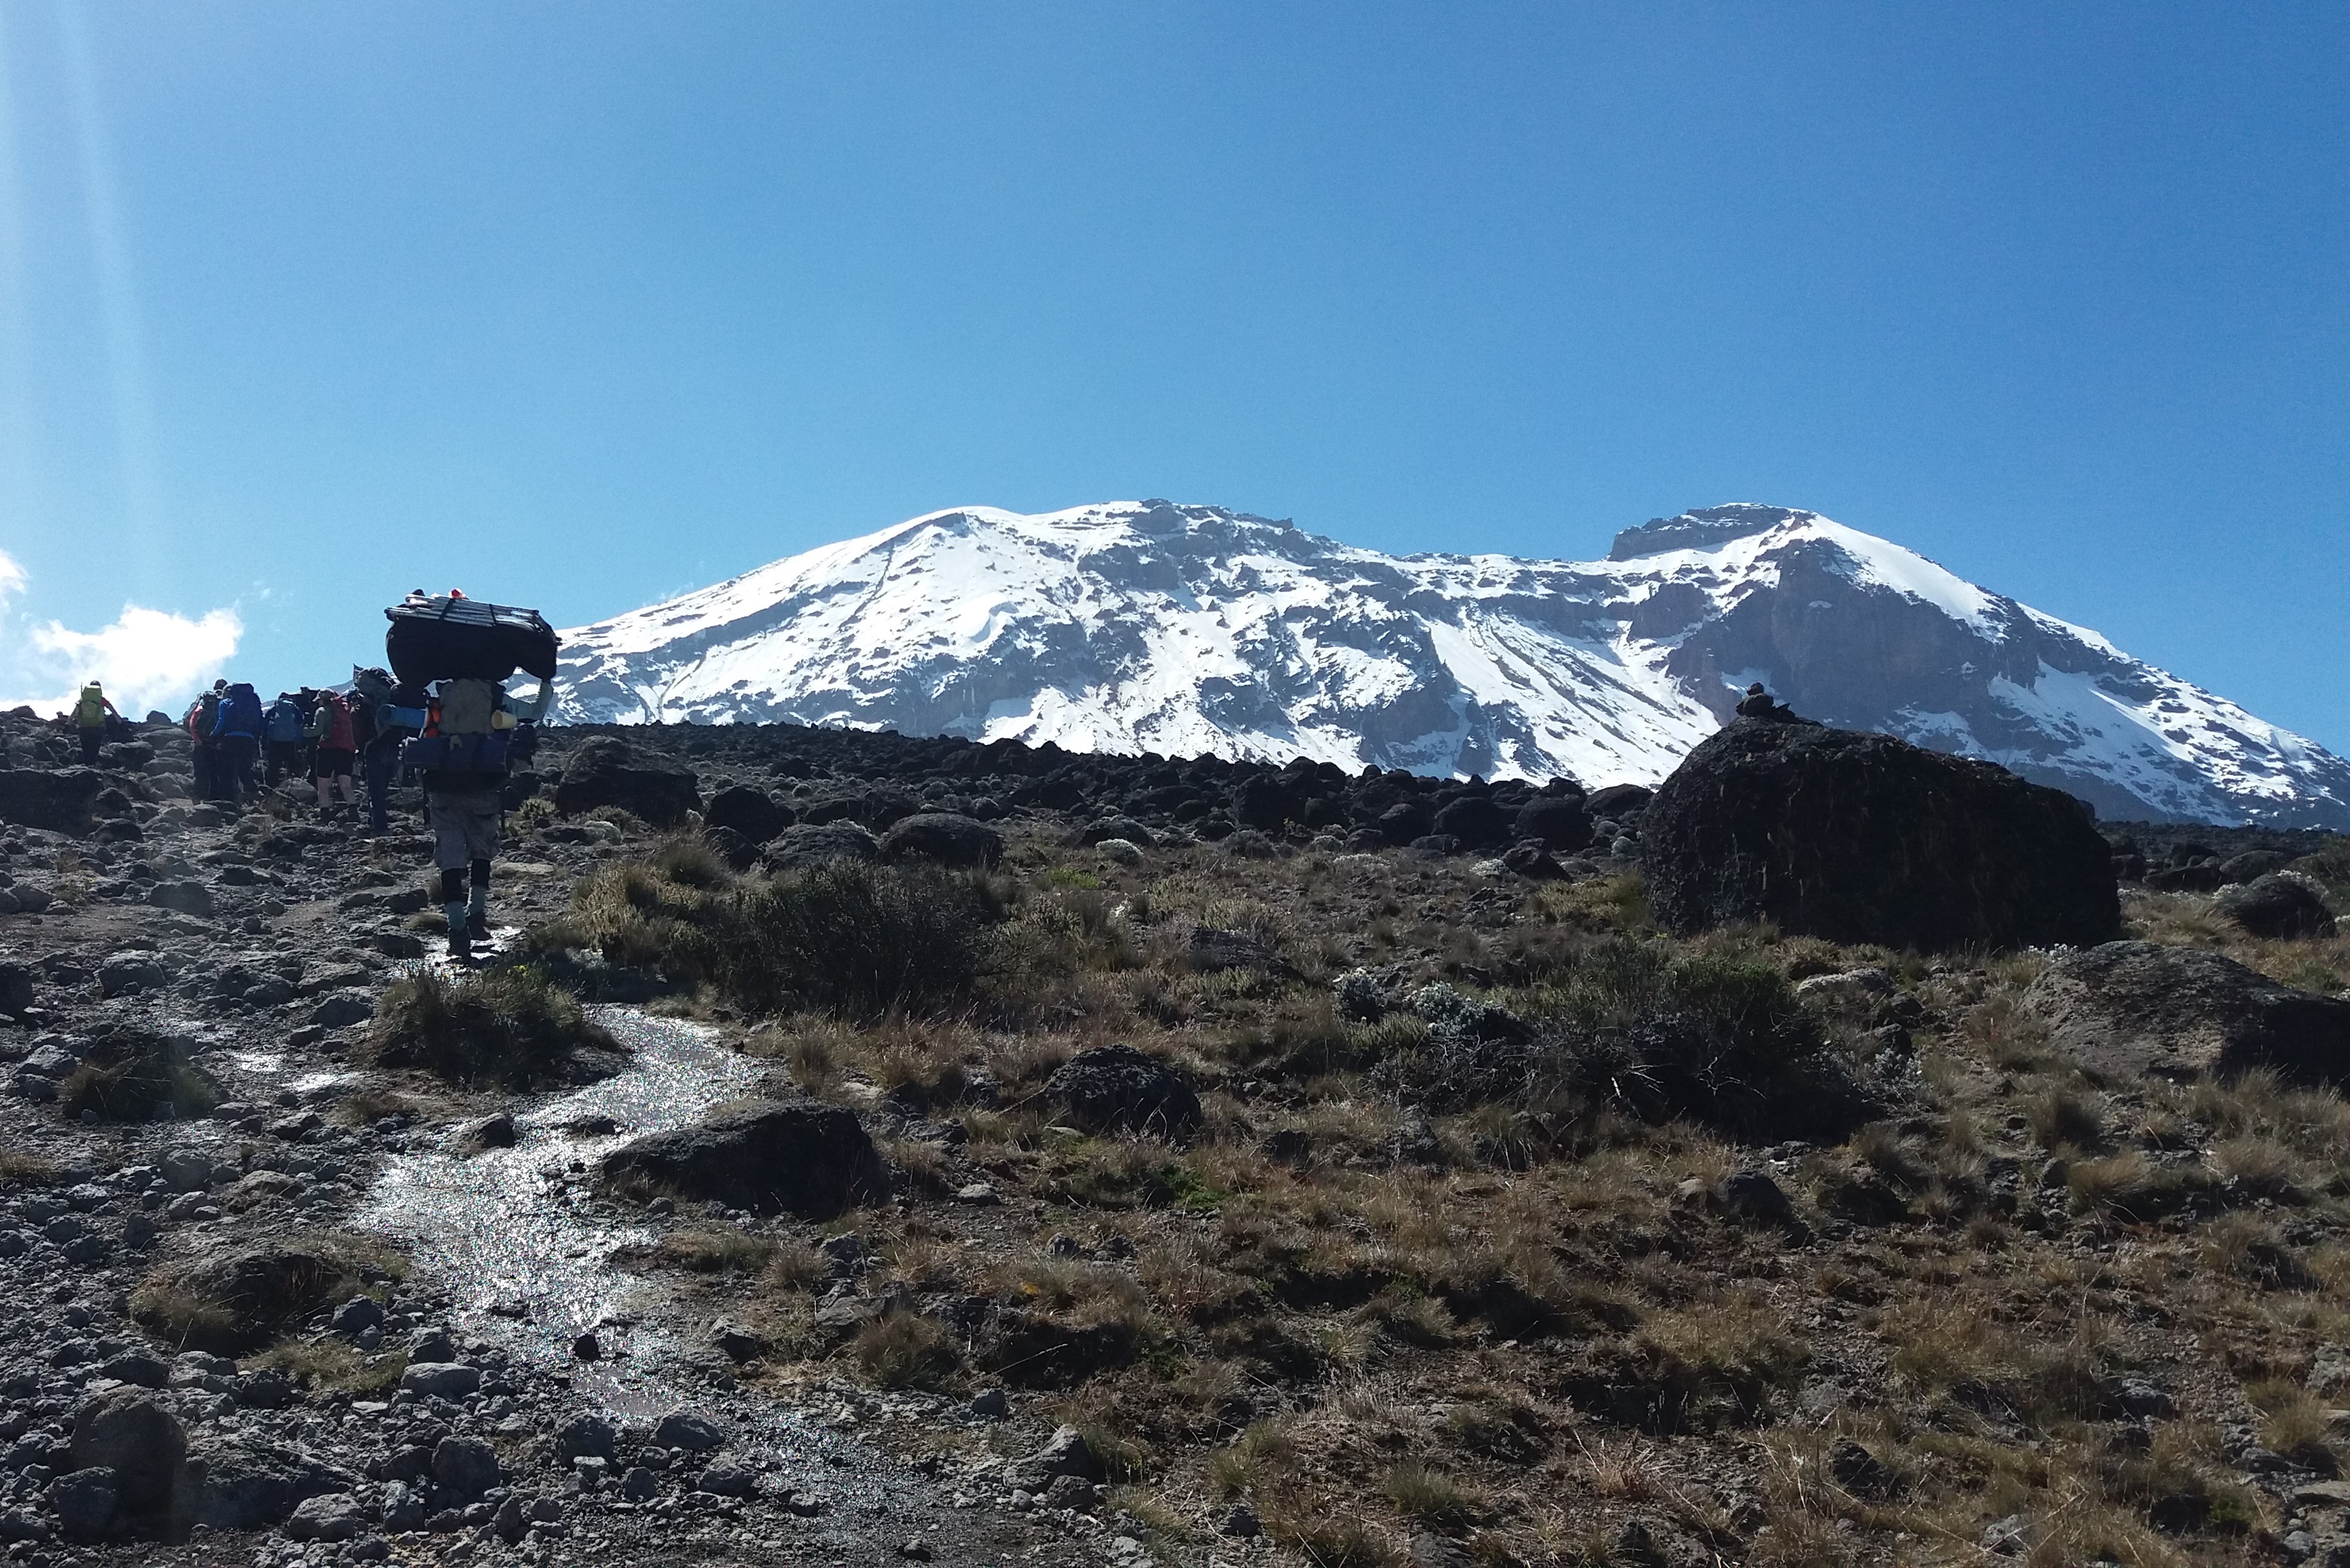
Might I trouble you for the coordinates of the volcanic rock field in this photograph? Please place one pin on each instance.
(864, 1149)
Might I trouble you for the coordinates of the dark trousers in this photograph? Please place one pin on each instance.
(280, 759)
(378, 771)
(233, 760)
(205, 786)
(93, 738)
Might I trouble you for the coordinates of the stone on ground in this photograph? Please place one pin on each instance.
(2127, 1009)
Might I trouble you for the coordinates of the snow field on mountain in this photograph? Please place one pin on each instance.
(1128, 627)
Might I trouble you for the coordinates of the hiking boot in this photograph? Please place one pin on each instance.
(477, 923)
(461, 936)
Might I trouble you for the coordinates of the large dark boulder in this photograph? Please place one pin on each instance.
(63, 800)
(133, 1434)
(2124, 1010)
(1406, 822)
(794, 1156)
(1617, 802)
(814, 844)
(2286, 907)
(251, 1484)
(1477, 821)
(1560, 823)
(1117, 1088)
(1265, 803)
(2252, 864)
(944, 837)
(752, 813)
(602, 771)
(1866, 838)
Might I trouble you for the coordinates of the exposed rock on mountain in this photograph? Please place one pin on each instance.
(1146, 626)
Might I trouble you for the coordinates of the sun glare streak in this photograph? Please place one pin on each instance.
(119, 311)
(15, 336)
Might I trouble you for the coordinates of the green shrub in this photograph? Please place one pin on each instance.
(513, 1027)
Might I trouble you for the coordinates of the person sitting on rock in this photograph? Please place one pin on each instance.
(91, 710)
(1757, 704)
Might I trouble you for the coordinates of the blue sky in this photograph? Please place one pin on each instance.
(581, 304)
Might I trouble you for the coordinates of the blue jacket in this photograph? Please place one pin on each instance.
(240, 714)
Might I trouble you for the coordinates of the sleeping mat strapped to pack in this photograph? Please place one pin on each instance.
(449, 639)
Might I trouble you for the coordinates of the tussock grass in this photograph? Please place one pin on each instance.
(231, 1302)
(20, 1167)
(2296, 1423)
(716, 1250)
(138, 1078)
(903, 1350)
(843, 938)
(332, 1363)
(2130, 1187)
(512, 1027)
(1432, 1498)
(2062, 1119)
(795, 1267)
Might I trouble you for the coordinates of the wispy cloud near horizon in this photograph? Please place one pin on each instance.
(146, 658)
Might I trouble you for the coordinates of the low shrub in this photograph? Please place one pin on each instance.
(513, 1027)
(904, 1350)
(132, 1077)
(715, 1251)
(844, 938)
(1632, 1026)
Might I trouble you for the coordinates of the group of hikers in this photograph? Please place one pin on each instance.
(445, 720)
(324, 740)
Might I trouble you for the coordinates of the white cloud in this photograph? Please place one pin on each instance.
(146, 658)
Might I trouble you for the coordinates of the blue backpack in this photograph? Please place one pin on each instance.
(285, 722)
(239, 714)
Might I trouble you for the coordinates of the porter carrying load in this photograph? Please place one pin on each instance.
(452, 656)
(448, 636)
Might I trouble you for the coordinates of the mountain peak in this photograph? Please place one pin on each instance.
(1702, 528)
(1183, 629)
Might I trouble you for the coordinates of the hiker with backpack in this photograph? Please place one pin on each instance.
(201, 715)
(337, 750)
(374, 703)
(236, 732)
(361, 708)
(90, 712)
(282, 729)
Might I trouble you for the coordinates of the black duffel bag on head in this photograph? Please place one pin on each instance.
(449, 639)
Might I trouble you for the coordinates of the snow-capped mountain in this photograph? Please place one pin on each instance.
(1147, 626)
